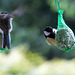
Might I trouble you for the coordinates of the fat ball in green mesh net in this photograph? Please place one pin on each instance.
(64, 37)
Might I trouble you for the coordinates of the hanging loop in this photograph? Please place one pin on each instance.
(57, 5)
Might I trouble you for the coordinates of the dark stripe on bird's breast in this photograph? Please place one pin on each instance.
(4, 24)
(52, 35)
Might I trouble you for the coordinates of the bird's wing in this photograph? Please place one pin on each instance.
(19, 11)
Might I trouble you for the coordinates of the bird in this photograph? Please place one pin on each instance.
(6, 24)
(5, 29)
(49, 34)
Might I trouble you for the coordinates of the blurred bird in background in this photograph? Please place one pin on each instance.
(6, 24)
(49, 33)
(5, 28)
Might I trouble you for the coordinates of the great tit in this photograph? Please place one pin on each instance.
(49, 33)
(6, 24)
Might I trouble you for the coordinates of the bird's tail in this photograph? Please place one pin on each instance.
(6, 40)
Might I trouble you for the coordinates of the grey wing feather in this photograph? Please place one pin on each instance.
(19, 11)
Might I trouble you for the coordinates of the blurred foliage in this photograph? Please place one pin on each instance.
(21, 62)
(28, 29)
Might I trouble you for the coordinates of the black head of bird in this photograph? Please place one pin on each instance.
(49, 33)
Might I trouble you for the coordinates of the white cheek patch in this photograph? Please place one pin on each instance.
(11, 24)
(1, 31)
(54, 30)
(46, 33)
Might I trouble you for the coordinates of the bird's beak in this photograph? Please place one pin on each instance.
(46, 33)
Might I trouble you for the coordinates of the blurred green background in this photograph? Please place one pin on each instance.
(29, 53)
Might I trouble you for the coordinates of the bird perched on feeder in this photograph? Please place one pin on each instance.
(49, 33)
(6, 24)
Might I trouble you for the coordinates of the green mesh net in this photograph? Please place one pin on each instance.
(64, 37)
